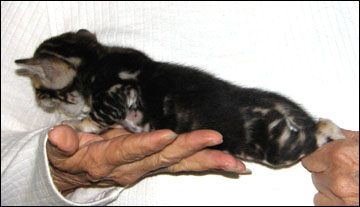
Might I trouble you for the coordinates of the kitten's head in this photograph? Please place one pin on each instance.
(53, 69)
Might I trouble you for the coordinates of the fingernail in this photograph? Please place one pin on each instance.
(51, 129)
(247, 171)
(49, 132)
(233, 169)
(171, 136)
(214, 142)
(239, 170)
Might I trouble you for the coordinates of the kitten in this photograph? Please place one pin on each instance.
(80, 77)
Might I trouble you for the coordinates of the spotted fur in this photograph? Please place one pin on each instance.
(80, 77)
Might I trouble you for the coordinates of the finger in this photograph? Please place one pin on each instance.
(97, 156)
(131, 147)
(87, 138)
(112, 133)
(184, 146)
(335, 184)
(66, 148)
(207, 160)
(319, 160)
(335, 190)
(63, 142)
(322, 185)
(355, 177)
(322, 200)
(351, 134)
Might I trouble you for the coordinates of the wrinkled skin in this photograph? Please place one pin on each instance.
(335, 171)
(119, 157)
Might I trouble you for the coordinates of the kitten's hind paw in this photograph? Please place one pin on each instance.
(327, 131)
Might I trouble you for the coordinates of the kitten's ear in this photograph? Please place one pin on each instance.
(53, 73)
(86, 33)
(31, 67)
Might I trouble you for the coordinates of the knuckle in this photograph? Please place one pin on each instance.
(346, 158)
(179, 167)
(125, 154)
(341, 155)
(122, 155)
(95, 168)
(96, 174)
(92, 160)
(172, 169)
(164, 160)
(93, 177)
(150, 146)
(126, 179)
(340, 185)
(132, 149)
(175, 169)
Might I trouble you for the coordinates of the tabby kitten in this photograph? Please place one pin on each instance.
(80, 77)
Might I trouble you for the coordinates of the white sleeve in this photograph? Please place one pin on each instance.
(26, 179)
(299, 49)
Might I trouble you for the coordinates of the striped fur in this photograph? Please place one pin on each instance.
(80, 77)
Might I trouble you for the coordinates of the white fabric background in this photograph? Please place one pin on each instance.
(308, 51)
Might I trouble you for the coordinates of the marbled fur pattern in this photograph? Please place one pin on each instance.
(80, 77)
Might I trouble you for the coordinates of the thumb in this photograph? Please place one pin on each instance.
(63, 142)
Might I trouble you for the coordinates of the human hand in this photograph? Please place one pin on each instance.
(119, 157)
(335, 171)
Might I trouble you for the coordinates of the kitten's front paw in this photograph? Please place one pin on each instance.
(85, 125)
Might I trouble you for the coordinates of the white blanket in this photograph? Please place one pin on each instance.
(308, 51)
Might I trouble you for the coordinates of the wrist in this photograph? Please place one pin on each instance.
(66, 182)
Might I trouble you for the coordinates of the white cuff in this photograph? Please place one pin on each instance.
(26, 178)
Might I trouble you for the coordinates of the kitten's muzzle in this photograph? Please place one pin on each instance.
(48, 105)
